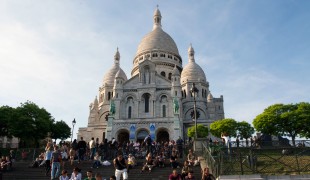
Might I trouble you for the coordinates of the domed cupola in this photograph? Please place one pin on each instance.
(157, 46)
(175, 71)
(192, 72)
(110, 75)
(210, 97)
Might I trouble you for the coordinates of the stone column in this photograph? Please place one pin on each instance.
(176, 126)
(109, 129)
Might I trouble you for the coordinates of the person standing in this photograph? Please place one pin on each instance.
(56, 158)
(120, 167)
(180, 146)
(92, 147)
(81, 149)
(148, 142)
(48, 157)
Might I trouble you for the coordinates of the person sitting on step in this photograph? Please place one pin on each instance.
(149, 163)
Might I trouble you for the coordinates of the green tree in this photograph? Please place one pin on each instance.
(60, 130)
(202, 131)
(30, 123)
(227, 126)
(6, 115)
(244, 130)
(280, 119)
(304, 115)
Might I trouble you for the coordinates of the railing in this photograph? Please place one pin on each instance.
(23, 154)
(211, 160)
(257, 159)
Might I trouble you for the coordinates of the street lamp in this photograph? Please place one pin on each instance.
(194, 92)
(73, 123)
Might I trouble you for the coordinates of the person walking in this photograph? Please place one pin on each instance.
(56, 158)
(120, 167)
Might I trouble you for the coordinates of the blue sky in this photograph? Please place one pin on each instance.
(55, 53)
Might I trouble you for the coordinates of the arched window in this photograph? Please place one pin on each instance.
(164, 110)
(163, 73)
(129, 112)
(146, 102)
(184, 93)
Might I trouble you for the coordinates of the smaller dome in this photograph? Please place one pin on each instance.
(120, 74)
(192, 71)
(210, 97)
(110, 75)
(175, 71)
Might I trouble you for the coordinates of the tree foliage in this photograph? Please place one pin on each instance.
(227, 126)
(284, 119)
(304, 111)
(30, 124)
(202, 131)
(244, 130)
(6, 115)
(60, 130)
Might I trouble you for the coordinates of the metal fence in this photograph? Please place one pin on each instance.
(238, 160)
(23, 154)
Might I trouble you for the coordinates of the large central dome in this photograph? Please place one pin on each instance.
(157, 40)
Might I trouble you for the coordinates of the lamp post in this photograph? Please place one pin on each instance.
(194, 92)
(73, 123)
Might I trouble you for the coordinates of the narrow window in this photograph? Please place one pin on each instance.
(129, 112)
(109, 96)
(163, 73)
(146, 103)
(164, 110)
(169, 76)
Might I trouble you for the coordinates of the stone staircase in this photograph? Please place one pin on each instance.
(22, 171)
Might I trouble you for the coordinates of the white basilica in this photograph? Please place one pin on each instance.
(156, 99)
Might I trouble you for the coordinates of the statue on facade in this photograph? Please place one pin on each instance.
(175, 105)
(112, 108)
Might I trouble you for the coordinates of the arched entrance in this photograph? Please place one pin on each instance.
(141, 135)
(123, 136)
(162, 136)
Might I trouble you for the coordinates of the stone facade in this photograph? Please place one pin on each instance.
(157, 99)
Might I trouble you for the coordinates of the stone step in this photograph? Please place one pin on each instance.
(22, 171)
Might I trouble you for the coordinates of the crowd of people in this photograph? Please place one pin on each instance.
(123, 156)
